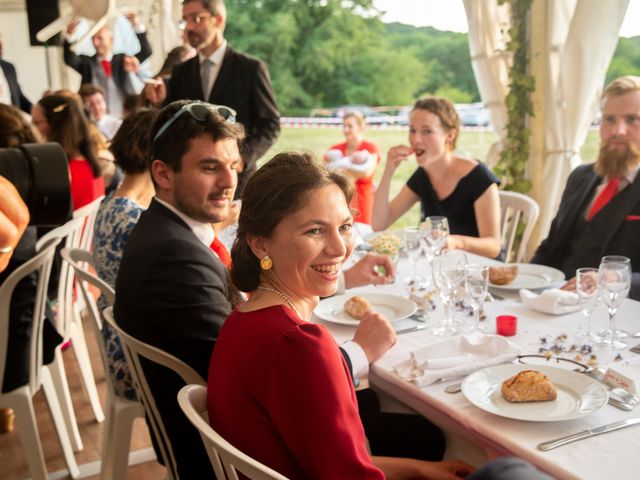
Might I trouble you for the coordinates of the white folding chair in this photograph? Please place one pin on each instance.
(120, 411)
(133, 350)
(193, 402)
(21, 398)
(516, 209)
(74, 233)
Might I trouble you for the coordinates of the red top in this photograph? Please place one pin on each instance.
(363, 200)
(84, 187)
(280, 391)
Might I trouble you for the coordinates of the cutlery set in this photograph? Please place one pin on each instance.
(545, 446)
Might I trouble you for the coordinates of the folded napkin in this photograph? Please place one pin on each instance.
(455, 357)
(553, 301)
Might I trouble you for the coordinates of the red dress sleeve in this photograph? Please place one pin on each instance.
(84, 187)
(310, 398)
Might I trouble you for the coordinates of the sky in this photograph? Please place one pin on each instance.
(449, 14)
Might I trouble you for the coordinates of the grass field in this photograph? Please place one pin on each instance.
(472, 143)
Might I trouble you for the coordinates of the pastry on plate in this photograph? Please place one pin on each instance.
(529, 386)
(503, 275)
(357, 307)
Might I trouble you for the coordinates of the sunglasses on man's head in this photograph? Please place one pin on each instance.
(198, 111)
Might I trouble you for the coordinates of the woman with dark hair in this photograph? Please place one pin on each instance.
(461, 189)
(279, 388)
(15, 130)
(60, 119)
(118, 214)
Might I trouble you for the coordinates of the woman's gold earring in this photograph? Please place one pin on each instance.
(266, 263)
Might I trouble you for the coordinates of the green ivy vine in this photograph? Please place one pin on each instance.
(511, 167)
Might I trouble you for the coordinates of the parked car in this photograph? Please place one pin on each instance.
(372, 116)
(474, 116)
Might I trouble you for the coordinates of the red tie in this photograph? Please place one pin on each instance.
(607, 193)
(106, 65)
(222, 252)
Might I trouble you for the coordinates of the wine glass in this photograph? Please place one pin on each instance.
(411, 236)
(435, 232)
(476, 283)
(617, 259)
(614, 281)
(587, 290)
(448, 274)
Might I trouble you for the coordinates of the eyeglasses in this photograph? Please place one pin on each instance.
(198, 111)
(196, 18)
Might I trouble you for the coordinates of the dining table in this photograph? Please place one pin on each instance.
(611, 455)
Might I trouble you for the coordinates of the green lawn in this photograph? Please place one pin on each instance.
(474, 144)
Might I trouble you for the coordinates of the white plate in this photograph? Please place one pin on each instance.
(391, 306)
(533, 277)
(578, 395)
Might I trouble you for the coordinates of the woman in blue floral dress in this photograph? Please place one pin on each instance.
(116, 218)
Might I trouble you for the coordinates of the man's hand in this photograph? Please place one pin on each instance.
(131, 64)
(72, 26)
(375, 335)
(570, 286)
(132, 16)
(373, 268)
(14, 218)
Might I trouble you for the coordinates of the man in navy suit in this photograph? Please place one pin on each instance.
(110, 71)
(599, 213)
(221, 75)
(10, 91)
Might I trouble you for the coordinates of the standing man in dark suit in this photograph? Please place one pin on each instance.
(599, 213)
(109, 71)
(10, 91)
(221, 75)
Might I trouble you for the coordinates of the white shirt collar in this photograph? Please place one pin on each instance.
(632, 174)
(204, 231)
(217, 56)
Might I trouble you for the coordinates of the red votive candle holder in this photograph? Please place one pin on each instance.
(506, 325)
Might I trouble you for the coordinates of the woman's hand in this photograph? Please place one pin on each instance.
(407, 468)
(455, 242)
(397, 155)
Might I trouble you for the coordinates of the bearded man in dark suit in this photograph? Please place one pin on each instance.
(599, 212)
(221, 75)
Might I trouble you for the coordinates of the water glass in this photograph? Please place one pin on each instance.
(448, 274)
(413, 247)
(614, 282)
(587, 290)
(435, 232)
(476, 283)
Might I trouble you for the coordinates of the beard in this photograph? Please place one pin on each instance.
(616, 161)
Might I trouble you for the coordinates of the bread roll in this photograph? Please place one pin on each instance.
(529, 386)
(357, 307)
(503, 275)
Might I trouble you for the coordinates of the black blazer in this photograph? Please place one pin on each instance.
(243, 84)
(17, 97)
(620, 237)
(84, 64)
(171, 292)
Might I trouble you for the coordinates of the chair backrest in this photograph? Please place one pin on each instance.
(79, 259)
(40, 263)
(133, 350)
(516, 209)
(193, 402)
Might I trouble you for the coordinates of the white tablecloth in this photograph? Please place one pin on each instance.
(613, 455)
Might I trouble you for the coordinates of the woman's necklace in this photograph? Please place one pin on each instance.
(283, 296)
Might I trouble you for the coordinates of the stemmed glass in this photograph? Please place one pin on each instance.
(626, 261)
(413, 247)
(435, 232)
(614, 281)
(476, 283)
(587, 290)
(448, 274)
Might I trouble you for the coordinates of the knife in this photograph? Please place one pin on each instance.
(545, 446)
(415, 328)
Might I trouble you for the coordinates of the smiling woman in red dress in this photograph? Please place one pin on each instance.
(279, 388)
